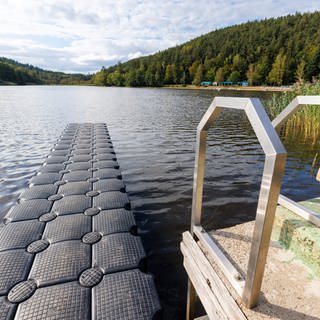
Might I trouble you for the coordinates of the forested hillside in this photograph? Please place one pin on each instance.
(274, 51)
(12, 72)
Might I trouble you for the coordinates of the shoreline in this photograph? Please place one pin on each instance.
(231, 88)
(176, 87)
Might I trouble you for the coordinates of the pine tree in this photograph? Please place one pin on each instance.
(198, 76)
(313, 67)
(262, 69)
(300, 72)
(210, 76)
(234, 76)
(168, 77)
(220, 75)
(251, 74)
(278, 68)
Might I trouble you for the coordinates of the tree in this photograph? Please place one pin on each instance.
(262, 69)
(300, 72)
(198, 76)
(117, 78)
(110, 79)
(177, 74)
(183, 79)
(100, 78)
(130, 79)
(159, 76)
(313, 66)
(232, 49)
(140, 78)
(219, 75)
(169, 74)
(193, 69)
(150, 76)
(239, 64)
(234, 76)
(210, 76)
(274, 48)
(251, 74)
(278, 68)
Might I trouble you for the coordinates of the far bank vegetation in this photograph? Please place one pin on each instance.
(274, 52)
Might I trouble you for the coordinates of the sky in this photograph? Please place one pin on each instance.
(84, 35)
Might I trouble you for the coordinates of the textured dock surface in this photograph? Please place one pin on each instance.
(69, 249)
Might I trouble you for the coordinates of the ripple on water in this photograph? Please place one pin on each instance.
(153, 131)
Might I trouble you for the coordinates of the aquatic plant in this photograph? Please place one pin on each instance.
(306, 121)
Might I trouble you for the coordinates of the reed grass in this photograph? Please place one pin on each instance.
(306, 122)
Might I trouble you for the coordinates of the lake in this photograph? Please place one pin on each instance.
(153, 132)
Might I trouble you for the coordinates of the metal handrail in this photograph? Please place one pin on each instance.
(299, 210)
(294, 106)
(248, 288)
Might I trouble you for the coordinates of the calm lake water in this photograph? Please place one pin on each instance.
(153, 131)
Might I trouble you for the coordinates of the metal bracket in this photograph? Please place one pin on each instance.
(275, 158)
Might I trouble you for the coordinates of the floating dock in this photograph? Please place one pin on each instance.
(69, 248)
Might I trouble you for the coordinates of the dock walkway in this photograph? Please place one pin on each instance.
(69, 249)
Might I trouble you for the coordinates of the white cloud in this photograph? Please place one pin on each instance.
(82, 35)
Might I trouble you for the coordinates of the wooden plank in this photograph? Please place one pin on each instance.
(208, 299)
(300, 210)
(191, 301)
(222, 295)
(227, 268)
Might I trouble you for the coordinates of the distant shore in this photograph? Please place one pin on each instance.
(238, 88)
(182, 87)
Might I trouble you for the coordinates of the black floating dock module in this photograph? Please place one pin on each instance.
(69, 249)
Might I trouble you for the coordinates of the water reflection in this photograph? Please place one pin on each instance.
(153, 131)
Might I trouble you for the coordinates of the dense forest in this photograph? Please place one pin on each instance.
(12, 72)
(277, 51)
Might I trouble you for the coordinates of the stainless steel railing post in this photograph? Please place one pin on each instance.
(269, 192)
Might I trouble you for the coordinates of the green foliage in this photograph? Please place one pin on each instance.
(13, 72)
(261, 71)
(169, 74)
(210, 75)
(251, 74)
(198, 76)
(278, 68)
(239, 66)
(130, 79)
(307, 119)
(313, 67)
(220, 75)
(100, 78)
(118, 78)
(235, 76)
(300, 72)
(262, 52)
(272, 51)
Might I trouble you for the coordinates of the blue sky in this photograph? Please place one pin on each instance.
(83, 35)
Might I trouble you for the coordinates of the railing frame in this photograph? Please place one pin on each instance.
(275, 158)
(294, 106)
